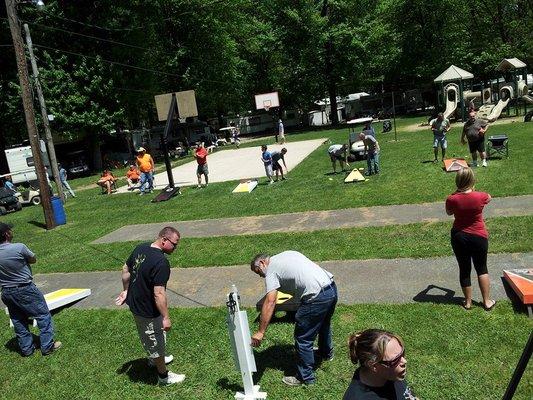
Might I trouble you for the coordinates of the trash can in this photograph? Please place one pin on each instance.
(60, 217)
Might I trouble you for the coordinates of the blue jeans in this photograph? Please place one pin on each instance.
(146, 178)
(314, 318)
(372, 161)
(25, 302)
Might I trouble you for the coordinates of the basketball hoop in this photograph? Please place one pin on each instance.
(267, 104)
(267, 108)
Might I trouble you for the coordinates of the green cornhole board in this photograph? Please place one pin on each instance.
(355, 176)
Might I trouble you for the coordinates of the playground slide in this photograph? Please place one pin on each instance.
(506, 93)
(452, 96)
(528, 98)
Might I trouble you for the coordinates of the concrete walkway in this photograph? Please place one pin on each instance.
(359, 281)
(317, 220)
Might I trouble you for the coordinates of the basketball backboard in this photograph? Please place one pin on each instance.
(266, 101)
(186, 101)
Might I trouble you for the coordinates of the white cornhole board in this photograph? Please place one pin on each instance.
(355, 176)
(60, 298)
(241, 347)
(245, 187)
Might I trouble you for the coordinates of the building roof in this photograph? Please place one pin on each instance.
(510, 63)
(453, 73)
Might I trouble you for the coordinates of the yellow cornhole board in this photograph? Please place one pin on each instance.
(60, 298)
(284, 302)
(355, 176)
(245, 186)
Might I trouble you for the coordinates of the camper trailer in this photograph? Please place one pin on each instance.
(21, 164)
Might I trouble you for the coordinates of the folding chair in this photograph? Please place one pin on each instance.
(497, 144)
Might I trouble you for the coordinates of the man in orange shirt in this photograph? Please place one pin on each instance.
(146, 166)
(106, 181)
(201, 157)
(132, 176)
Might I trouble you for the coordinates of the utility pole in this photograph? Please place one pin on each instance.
(328, 68)
(29, 112)
(44, 114)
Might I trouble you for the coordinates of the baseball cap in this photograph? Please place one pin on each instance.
(140, 149)
(4, 228)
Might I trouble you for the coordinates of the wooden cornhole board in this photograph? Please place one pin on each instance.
(285, 302)
(355, 176)
(454, 164)
(245, 186)
(521, 280)
(60, 298)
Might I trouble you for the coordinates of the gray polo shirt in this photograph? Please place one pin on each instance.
(293, 273)
(14, 267)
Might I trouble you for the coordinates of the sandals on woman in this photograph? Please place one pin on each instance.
(490, 308)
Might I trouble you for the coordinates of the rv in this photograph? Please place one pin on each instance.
(21, 164)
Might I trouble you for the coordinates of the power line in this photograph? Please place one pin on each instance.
(89, 36)
(109, 61)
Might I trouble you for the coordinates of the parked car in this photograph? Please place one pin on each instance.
(8, 201)
(76, 164)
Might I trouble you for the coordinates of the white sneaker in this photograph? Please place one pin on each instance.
(484, 163)
(171, 379)
(168, 360)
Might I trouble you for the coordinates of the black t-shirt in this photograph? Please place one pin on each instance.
(393, 390)
(148, 267)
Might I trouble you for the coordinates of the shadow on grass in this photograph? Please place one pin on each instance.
(226, 384)
(280, 357)
(427, 162)
(13, 346)
(37, 224)
(518, 306)
(440, 295)
(138, 371)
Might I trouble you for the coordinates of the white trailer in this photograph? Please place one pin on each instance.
(21, 163)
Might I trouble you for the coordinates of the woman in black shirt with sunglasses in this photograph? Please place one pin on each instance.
(382, 367)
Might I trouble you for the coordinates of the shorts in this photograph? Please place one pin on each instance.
(152, 335)
(334, 157)
(202, 169)
(440, 140)
(268, 170)
(277, 166)
(478, 145)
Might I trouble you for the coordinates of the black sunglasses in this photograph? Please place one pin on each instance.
(171, 242)
(394, 362)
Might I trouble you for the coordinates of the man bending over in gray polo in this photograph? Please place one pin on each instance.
(293, 273)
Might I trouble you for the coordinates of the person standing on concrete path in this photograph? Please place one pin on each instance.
(21, 296)
(293, 273)
(372, 153)
(469, 236)
(439, 126)
(63, 179)
(146, 166)
(278, 156)
(382, 367)
(266, 158)
(144, 279)
(201, 158)
(338, 152)
(474, 131)
(281, 132)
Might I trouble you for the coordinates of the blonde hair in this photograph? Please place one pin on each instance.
(465, 180)
(368, 347)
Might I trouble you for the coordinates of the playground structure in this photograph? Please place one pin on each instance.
(492, 99)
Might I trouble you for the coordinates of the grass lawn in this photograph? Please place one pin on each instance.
(451, 354)
(72, 253)
(405, 179)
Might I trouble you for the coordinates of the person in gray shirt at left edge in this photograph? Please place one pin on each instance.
(293, 273)
(21, 296)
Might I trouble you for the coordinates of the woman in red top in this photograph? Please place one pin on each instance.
(469, 236)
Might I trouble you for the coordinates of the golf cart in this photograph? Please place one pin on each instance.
(8, 201)
(29, 196)
(357, 147)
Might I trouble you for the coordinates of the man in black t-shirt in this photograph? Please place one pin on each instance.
(144, 278)
(277, 157)
(474, 131)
